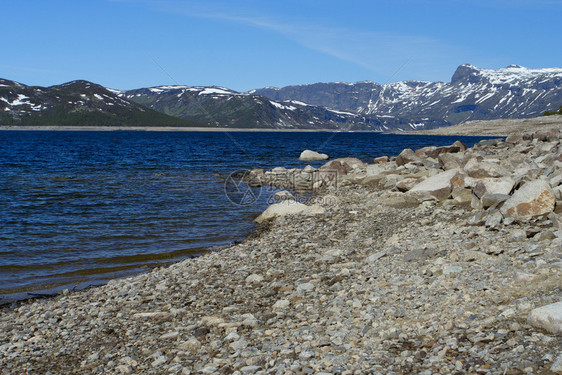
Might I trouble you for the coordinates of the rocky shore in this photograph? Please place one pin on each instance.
(443, 260)
(496, 128)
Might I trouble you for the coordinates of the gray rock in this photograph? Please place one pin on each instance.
(557, 365)
(407, 156)
(493, 220)
(547, 317)
(414, 255)
(374, 257)
(250, 369)
(493, 200)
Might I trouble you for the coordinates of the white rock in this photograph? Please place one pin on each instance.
(281, 209)
(281, 304)
(283, 195)
(532, 199)
(159, 361)
(315, 209)
(376, 256)
(305, 287)
(548, 317)
(312, 155)
(152, 315)
(438, 186)
(192, 345)
(254, 278)
(169, 336)
(239, 345)
(557, 365)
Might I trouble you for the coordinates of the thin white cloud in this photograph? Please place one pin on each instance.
(379, 52)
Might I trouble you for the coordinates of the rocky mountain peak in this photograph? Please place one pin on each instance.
(466, 73)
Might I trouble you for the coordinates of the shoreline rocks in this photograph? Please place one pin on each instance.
(374, 280)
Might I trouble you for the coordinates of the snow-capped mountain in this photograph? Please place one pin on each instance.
(73, 103)
(227, 108)
(472, 94)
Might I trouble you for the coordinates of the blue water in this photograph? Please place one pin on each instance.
(79, 208)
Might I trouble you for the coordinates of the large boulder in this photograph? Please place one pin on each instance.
(514, 138)
(482, 169)
(456, 147)
(434, 152)
(406, 184)
(289, 207)
(342, 165)
(548, 317)
(547, 135)
(492, 185)
(449, 161)
(532, 199)
(438, 186)
(407, 156)
(312, 155)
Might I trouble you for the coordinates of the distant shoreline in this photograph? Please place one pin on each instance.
(168, 128)
(494, 128)
(481, 128)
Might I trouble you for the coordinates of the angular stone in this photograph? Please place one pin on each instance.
(493, 200)
(444, 150)
(438, 186)
(462, 196)
(556, 366)
(250, 369)
(406, 184)
(254, 278)
(514, 138)
(401, 201)
(406, 156)
(460, 145)
(493, 186)
(494, 220)
(191, 345)
(481, 169)
(312, 155)
(381, 159)
(547, 317)
(532, 199)
(376, 256)
(283, 195)
(342, 165)
(282, 304)
(449, 161)
(422, 152)
(547, 135)
(152, 315)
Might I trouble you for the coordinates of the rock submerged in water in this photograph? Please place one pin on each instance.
(308, 155)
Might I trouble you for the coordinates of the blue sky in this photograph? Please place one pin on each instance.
(245, 44)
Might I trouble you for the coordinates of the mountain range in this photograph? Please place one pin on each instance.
(472, 94)
(75, 103)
